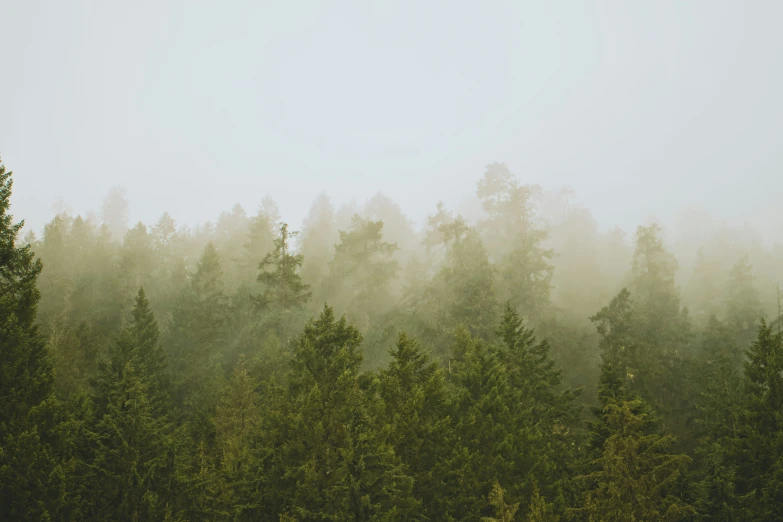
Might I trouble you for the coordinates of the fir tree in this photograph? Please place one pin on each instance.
(761, 444)
(743, 305)
(635, 475)
(503, 512)
(131, 463)
(283, 287)
(414, 395)
(362, 270)
(342, 467)
(131, 458)
(197, 332)
(31, 488)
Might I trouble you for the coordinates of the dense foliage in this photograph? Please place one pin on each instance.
(521, 366)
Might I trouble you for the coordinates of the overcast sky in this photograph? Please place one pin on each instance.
(642, 107)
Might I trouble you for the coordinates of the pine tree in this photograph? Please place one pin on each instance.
(259, 241)
(743, 305)
(539, 510)
(415, 407)
(463, 292)
(284, 290)
(503, 512)
(362, 270)
(31, 487)
(340, 466)
(485, 435)
(130, 462)
(544, 415)
(434, 236)
(656, 299)
(131, 457)
(761, 453)
(319, 235)
(648, 334)
(238, 437)
(197, 333)
(150, 359)
(635, 475)
(514, 241)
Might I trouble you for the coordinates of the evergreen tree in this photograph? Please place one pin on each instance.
(131, 455)
(339, 466)
(150, 359)
(761, 443)
(463, 291)
(434, 237)
(503, 512)
(131, 462)
(485, 432)
(743, 305)
(363, 269)
(238, 442)
(649, 334)
(656, 300)
(319, 235)
(31, 487)
(284, 290)
(259, 241)
(635, 476)
(414, 395)
(544, 415)
(514, 241)
(197, 333)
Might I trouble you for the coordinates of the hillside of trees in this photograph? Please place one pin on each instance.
(524, 366)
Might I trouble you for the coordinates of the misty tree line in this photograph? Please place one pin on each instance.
(525, 366)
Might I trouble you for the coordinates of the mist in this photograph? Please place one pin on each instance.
(390, 261)
(226, 104)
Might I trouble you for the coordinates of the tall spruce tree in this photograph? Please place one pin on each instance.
(31, 488)
(635, 475)
(337, 465)
(742, 303)
(131, 446)
(362, 271)
(761, 455)
(413, 389)
(284, 290)
(197, 333)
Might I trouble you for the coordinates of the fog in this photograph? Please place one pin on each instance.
(391, 261)
(221, 104)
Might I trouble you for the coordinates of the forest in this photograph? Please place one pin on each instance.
(522, 365)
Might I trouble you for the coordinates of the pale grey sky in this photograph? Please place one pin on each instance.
(642, 107)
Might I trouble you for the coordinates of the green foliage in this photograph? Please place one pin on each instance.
(238, 410)
(198, 328)
(513, 239)
(363, 268)
(503, 512)
(415, 399)
(462, 293)
(635, 474)
(283, 287)
(31, 480)
(340, 466)
(760, 441)
(743, 305)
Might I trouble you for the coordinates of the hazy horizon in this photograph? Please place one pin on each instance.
(642, 109)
